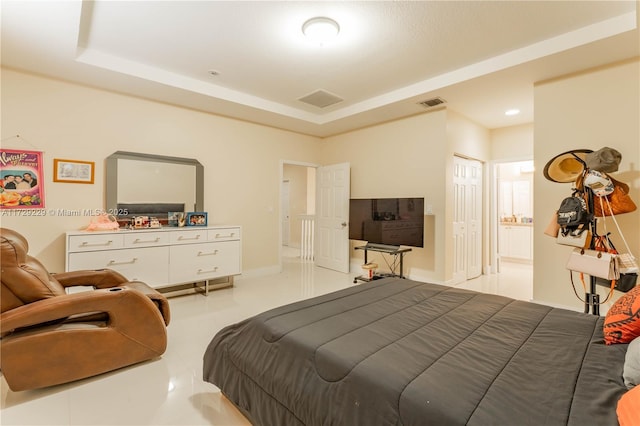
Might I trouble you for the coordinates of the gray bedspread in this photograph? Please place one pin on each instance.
(400, 352)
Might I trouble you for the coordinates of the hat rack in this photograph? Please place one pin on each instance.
(592, 298)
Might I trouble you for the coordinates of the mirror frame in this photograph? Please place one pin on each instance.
(111, 179)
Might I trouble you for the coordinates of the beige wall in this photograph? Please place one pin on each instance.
(404, 158)
(512, 143)
(589, 110)
(412, 157)
(409, 157)
(242, 161)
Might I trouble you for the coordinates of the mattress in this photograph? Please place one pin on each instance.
(401, 352)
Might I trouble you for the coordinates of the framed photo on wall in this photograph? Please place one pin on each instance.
(73, 171)
(21, 179)
(197, 219)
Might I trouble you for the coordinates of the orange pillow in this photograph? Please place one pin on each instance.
(622, 322)
(629, 408)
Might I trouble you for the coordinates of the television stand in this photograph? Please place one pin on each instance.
(398, 258)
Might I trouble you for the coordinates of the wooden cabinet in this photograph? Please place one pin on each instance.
(515, 241)
(159, 257)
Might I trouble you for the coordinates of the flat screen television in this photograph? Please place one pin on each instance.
(391, 222)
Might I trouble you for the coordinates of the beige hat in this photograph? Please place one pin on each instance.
(566, 167)
(604, 160)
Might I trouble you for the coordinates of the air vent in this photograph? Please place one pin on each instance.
(430, 103)
(321, 99)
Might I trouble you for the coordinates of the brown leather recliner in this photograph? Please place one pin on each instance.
(49, 337)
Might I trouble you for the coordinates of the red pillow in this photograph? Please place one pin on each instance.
(622, 322)
(629, 408)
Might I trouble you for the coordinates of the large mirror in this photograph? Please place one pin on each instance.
(154, 180)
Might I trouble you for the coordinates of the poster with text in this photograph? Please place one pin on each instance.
(21, 179)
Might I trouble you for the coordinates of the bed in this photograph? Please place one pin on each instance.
(401, 352)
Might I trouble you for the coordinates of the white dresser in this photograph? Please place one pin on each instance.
(159, 257)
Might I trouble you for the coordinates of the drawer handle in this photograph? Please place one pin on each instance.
(88, 244)
(206, 271)
(231, 235)
(113, 262)
(183, 238)
(139, 241)
(210, 253)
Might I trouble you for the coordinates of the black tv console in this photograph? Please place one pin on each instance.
(397, 253)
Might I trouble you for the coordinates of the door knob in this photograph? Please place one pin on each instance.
(343, 224)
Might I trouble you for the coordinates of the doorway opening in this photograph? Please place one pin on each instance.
(514, 219)
(297, 209)
(322, 202)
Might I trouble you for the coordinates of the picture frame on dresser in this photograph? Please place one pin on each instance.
(197, 219)
(174, 218)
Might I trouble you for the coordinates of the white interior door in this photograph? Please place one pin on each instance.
(332, 216)
(474, 218)
(459, 221)
(467, 220)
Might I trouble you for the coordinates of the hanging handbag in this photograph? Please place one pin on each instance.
(553, 227)
(576, 237)
(625, 283)
(594, 263)
(626, 264)
(573, 212)
(618, 202)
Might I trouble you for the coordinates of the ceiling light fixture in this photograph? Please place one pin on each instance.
(513, 111)
(320, 29)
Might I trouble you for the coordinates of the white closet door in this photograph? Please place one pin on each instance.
(474, 218)
(467, 219)
(459, 220)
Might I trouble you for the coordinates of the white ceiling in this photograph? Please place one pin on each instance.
(481, 57)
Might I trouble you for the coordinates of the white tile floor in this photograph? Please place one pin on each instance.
(170, 390)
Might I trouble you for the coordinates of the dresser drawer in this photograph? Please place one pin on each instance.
(188, 236)
(93, 242)
(199, 262)
(149, 265)
(160, 257)
(224, 234)
(146, 239)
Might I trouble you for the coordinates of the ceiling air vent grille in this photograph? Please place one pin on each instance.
(430, 103)
(321, 99)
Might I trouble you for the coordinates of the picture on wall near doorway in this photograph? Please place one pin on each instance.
(73, 171)
(21, 179)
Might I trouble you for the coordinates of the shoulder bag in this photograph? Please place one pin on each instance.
(594, 263)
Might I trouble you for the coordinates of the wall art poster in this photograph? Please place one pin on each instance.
(21, 179)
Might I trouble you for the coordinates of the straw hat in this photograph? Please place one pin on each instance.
(566, 167)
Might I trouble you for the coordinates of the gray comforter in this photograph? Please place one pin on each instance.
(400, 352)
